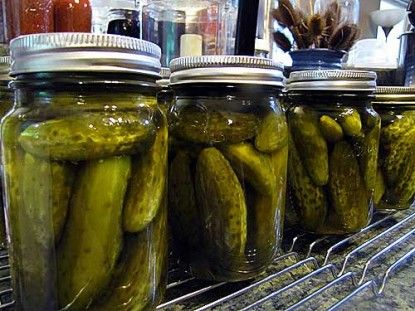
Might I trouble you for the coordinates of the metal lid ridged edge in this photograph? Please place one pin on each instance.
(5, 60)
(165, 73)
(319, 75)
(193, 62)
(395, 90)
(55, 41)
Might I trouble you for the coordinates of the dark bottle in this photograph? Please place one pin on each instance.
(124, 22)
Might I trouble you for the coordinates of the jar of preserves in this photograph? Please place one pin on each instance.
(6, 103)
(72, 16)
(228, 169)
(395, 181)
(334, 140)
(36, 16)
(85, 162)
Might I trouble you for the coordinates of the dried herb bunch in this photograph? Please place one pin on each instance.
(320, 30)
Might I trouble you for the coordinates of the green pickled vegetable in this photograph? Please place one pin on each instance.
(398, 128)
(380, 187)
(92, 239)
(253, 166)
(350, 121)
(347, 189)
(331, 130)
(272, 133)
(310, 143)
(310, 200)
(89, 135)
(148, 185)
(222, 203)
(215, 127)
(140, 270)
(182, 200)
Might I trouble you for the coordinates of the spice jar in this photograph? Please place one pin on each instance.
(85, 162)
(228, 170)
(334, 140)
(6, 103)
(72, 16)
(395, 181)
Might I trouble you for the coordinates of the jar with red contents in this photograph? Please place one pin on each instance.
(36, 16)
(72, 16)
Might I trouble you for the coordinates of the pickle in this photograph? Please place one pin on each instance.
(398, 128)
(38, 275)
(272, 133)
(350, 121)
(182, 200)
(215, 127)
(379, 187)
(331, 130)
(310, 200)
(222, 203)
(140, 270)
(265, 227)
(310, 143)
(147, 186)
(347, 189)
(92, 238)
(253, 166)
(89, 136)
(399, 154)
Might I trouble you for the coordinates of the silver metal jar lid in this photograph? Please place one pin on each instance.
(5, 62)
(226, 69)
(332, 80)
(165, 77)
(84, 52)
(394, 94)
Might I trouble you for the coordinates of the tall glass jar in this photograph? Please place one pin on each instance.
(334, 140)
(85, 162)
(395, 181)
(6, 103)
(228, 170)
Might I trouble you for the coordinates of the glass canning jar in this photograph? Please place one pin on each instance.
(395, 181)
(85, 162)
(165, 95)
(227, 175)
(334, 140)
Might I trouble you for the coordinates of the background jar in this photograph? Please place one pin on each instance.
(395, 181)
(228, 170)
(85, 151)
(334, 140)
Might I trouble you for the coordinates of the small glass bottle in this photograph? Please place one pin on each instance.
(124, 22)
(334, 141)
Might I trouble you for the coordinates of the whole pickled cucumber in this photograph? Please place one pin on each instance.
(380, 187)
(92, 238)
(310, 143)
(147, 186)
(331, 130)
(348, 192)
(222, 203)
(310, 200)
(215, 127)
(399, 154)
(272, 133)
(399, 127)
(38, 275)
(350, 121)
(252, 165)
(182, 200)
(140, 270)
(89, 136)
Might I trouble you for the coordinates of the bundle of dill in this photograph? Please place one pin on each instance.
(320, 30)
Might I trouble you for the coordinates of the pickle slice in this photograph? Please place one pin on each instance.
(89, 136)
(222, 203)
(147, 186)
(92, 239)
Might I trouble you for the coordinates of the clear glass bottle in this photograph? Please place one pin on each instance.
(124, 22)
(349, 9)
(395, 181)
(229, 150)
(85, 164)
(334, 141)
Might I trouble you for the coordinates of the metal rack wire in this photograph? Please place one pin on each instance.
(315, 272)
